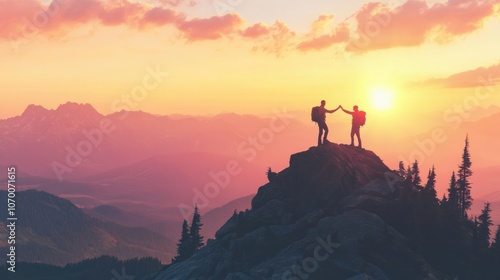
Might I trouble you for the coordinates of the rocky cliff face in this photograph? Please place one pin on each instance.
(329, 215)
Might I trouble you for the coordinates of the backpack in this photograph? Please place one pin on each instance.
(315, 114)
(360, 118)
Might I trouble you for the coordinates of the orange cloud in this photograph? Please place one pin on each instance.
(19, 18)
(278, 39)
(415, 22)
(376, 26)
(210, 28)
(321, 24)
(482, 76)
(13, 15)
(66, 14)
(160, 16)
(256, 30)
(338, 35)
(175, 3)
(115, 12)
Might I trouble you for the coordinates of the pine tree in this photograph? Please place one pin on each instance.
(475, 233)
(430, 186)
(409, 176)
(417, 181)
(184, 248)
(495, 246)
(444, 200)
(402, 170)
(453, 194)
(464, 186)
(484, 224)
(428, 211)
(194, 233)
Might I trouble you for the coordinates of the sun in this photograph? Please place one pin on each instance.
(382, 98)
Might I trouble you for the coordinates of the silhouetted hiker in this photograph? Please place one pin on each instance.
(318, 114)
(358, 120)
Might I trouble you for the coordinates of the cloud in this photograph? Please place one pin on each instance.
(377, 26)
(482, 76)
(175, 3)
(114, 12)
(18, 18)
(415, 22)
(256, 30)
(160, 16)
(339, 35)
(210, 28)
(374, 26)
(321, 24)
(12, 16)
(278, 40)
(83, 11)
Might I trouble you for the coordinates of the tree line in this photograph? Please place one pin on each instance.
(442, 230)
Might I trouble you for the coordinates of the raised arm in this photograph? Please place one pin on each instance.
(332, 111)
(345, 111)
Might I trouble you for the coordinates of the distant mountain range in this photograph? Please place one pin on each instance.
(168, 180)
(75, 141)
(147, 162)
(170, 227)
(52, 230)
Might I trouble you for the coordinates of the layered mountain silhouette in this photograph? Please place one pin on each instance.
(39, 137)
(52, 230)
(162, 223)
(155, 160)
(334, 213)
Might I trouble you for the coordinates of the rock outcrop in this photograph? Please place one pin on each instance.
(326, 216)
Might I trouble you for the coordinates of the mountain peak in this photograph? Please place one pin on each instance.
(81, 109)
(34, 110)
(334, 199)
(75, 106)
(63, 109)
(322, 176)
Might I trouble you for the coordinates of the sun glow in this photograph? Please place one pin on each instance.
(382, 98)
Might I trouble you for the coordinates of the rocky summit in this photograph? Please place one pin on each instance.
(332, 214)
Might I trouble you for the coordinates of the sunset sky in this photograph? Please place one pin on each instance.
(414, 66)
(249, 56)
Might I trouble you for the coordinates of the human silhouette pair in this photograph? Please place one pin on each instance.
(357, 122)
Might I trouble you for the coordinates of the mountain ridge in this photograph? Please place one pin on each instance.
(52, 230)
(74, 141)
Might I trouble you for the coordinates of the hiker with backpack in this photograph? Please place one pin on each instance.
(318, 115)
(358, 120)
